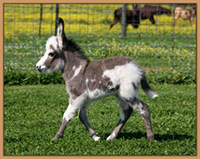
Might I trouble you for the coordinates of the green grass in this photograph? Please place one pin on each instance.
(150, 54)
(32, 116)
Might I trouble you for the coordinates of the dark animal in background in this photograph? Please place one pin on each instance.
(148, 12)
(185, 14)
(138, 13)
(132, 17)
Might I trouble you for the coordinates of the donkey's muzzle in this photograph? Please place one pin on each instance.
(39, 68)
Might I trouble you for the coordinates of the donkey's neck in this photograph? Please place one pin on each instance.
(74, 64)
(71, 47)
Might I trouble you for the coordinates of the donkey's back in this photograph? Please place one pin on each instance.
(119, 76)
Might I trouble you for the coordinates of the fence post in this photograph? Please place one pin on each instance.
(57, 15)
(40, 24)
(173, 40)
(123, 33)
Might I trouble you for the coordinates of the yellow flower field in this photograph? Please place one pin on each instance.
(159, 45)
(81, 19)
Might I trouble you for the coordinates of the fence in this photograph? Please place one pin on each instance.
(157, 47)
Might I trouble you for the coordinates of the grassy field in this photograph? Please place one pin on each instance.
(32, 116)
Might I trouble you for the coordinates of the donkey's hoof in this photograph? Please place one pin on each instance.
(111, 137)
(150, 138)
(54, 139)
(96, 138)
(108, 138)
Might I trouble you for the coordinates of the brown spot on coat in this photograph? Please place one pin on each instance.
(90, 70)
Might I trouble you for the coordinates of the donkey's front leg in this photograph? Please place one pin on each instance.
(84, 120)
(75, 103)
(68, 115)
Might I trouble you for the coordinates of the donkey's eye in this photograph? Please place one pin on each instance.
(51, 54)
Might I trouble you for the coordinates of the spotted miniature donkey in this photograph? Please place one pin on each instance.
(88, 80)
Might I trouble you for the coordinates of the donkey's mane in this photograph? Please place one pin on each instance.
(73, 47)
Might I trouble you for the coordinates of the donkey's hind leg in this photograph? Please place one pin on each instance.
(84, 120)
(129, 93)
(143, 110)
(125, 113)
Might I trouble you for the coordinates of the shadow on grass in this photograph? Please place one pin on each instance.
(158, 137)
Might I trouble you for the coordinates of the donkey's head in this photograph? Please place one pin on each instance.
(53, 57)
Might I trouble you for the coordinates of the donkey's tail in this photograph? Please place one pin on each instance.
(147, 89)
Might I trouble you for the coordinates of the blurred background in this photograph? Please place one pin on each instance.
(166, 51)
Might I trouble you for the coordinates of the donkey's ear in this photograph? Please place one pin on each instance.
(60, 33)
(60, 27)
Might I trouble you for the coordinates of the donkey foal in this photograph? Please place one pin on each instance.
(88, 80)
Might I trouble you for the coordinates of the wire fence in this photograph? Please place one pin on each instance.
(157, 46)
